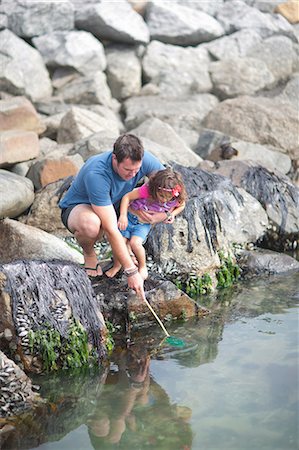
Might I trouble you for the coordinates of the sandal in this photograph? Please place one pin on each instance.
(93, 277)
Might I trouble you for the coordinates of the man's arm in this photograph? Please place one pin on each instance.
(152, 217)
(108, 219)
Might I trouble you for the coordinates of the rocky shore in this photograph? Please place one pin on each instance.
(212, 89)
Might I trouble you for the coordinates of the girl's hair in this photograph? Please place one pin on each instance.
(170, 181)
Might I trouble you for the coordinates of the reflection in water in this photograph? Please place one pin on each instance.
(136, 412)
(233, 386)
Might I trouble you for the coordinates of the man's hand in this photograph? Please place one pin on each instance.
(150, 217)
(136, 282)
(122, 222)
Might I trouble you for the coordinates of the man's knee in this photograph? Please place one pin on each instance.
(88, 225)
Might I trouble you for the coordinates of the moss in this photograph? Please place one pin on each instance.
(228, 273)
(195, 285)
(69, 352)
(109, 337)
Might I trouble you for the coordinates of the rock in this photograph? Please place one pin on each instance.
(262, 261)
(259, 120)
(180, 25)
(215, 146)
(18, 385)
(127, 26)
(54, 167)
(235, 77)
(164, 297)
(19, 113)
(94, 144)
(91, 89)
(177, 71)
(289, 10)
(17, 146)
(18, 61)
(163, 134)
(189, 111)
(16, 194)
(79, 50)
(80, 123)
(28, 19)
(235, 45)
(237, 15)
(20, 241)
(53, 292)
(278, 54)
(216, 216)
(272, 189)
(123, 71)
(45, 213)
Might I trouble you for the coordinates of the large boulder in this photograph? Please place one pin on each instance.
(73, 49)
(261, 120)
(19, 113)
(175, 70)
(36, 295)
(216, 216)
(101, 19)
(275, 192)
(22, 70)
(28, 19)
(16, 389)
(20, 241)
(16, 193)
(188, 112)
(180, 25)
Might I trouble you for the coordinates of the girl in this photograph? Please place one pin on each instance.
(164, 192)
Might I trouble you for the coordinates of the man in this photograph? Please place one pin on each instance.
(89, 206)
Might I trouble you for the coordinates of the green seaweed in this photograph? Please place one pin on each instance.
(69, 352)
(228, 273)
(195, 285)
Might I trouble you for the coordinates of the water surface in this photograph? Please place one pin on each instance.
(233, 386)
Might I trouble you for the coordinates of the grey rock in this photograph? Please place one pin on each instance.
(163, 134)
(180, 25)
(79, 50)
(127, 26)
(91, 89)
(177, 71)
(28, 19)
(261, 261)
(20, 241)
(16, 193)
(235, 77)
(236, 15)
(22, 70)
(123, 71)
(260, 120)
(189, 111)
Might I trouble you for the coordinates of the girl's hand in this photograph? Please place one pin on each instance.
(122, 222)
(170, 219)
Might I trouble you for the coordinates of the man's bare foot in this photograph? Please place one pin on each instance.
(92, 266)
(113, 271)
(143, 272)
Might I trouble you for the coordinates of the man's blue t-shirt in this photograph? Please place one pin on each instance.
(98, 184)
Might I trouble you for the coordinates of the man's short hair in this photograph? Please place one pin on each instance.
(128, 146)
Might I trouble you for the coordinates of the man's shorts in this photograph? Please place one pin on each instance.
(136, 228)
(65, 212)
